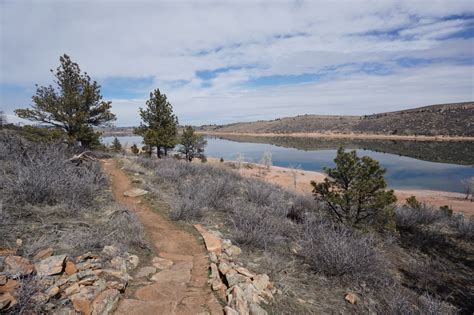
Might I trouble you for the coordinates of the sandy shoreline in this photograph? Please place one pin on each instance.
(284, 177)
(340, 136)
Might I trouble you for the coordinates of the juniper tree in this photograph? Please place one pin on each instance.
(116, 145)
(192, 144)
(134, 149)
(354, 190)
(75, 105)
(159, 126)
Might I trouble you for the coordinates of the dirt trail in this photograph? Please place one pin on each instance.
(181, 289)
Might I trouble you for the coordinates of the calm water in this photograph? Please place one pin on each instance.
(402, 171)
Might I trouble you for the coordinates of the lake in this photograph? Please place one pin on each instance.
(410, 164)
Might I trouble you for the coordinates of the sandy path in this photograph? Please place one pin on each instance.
(284, 177)
(183, 288)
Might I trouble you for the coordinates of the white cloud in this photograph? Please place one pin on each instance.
(170, 41)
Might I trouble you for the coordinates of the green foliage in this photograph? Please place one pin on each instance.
(446, 210)
(159, 126)
(354, 190)
(221, 160)
(134, 149)
(413, 203)
(192, 144)
(116, 145)
(75, 106)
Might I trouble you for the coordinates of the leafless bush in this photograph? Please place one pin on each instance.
(430, 305)
(256, 226)
(409, 217)
(26, 304)
(339, 251)
(463, 226)
(42, 174)
(124, 230)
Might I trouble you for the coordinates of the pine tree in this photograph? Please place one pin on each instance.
(134, 149)
(191, 144)
(159, 126)
(75, 106)
(354, 190)
(116, 145)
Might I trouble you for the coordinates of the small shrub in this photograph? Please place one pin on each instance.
(339, 251)
(414, 213)
(463, 226)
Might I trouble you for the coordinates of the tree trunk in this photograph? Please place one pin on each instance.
(158, 152)
(166, 151)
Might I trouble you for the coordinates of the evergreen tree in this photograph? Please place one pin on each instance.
(354, 190)
(116, 145)
(75, 106)
(159, 126)
(191, 144)
(3, 119)
(134, 149)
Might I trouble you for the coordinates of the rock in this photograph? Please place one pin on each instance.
(224, 268)
(7, 301)
(226, 243)
(145, 272)
(132, 262)
(52, 291)
(238, 302)
(217, 284)
(230, 311)
(135, 192)
(88, 264)
(105, 302)
(214, 271)
(72, 289)
(162, 263)
(256, 309)
(86, 256)
(261, 282)
(50, 266)
(250, 292)
(119, 264)
(39, 298)
(117, 285)
(110, 251)
(6, 251)
(235, 278)
(213, 257)
(19, 242)
(3, 279)
(18, 266)
(136, 180)
(233, 250)
(245, 272)
(81, 303)
(351, 298)
(213, 243)
(44, 253)
(70, 268)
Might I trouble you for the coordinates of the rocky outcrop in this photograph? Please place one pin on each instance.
(243, 290)
(61, 284)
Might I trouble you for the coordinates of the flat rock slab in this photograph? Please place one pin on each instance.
(135, 192)
(213, 243)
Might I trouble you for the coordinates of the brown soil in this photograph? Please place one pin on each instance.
(181, 290)
(284, 178)
(333, 135)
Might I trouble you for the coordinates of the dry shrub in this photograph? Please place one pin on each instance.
(408, 217)
(338, 251)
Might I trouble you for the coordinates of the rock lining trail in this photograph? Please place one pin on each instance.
(181, 288)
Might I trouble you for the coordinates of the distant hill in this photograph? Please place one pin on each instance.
(455, 119)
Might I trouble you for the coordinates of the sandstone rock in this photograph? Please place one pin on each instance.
(217, 284)
(213, 257)
(18, 266)
(238, 302)
(50, 266)
(86, 256)
(224, 268)
(81, 303)
(162, 263)
(226, 243)
(351, 298)
(44, 253)
(135, 192)
(117, 285)
(145, 272)
(214, 271)
(3, 279)
(230, 311)
(52, 291)
(88, 264)
(105, 302)
(245, 272)
(7, 301)
(233, 250)
(250, 292)
(7, 251)
(19, 242)
(261, 282)
(119, 264)
(72, 289)
(234, 278)
(132, 262)
(256, 309)
(213, 243)
(70, 268)
(110, 251)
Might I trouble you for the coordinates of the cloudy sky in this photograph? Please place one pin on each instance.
(227, 61)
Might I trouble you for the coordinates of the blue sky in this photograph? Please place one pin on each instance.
(227, 61)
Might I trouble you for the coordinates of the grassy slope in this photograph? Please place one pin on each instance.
(445, 119)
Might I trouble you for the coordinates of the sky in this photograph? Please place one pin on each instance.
(228, 61)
